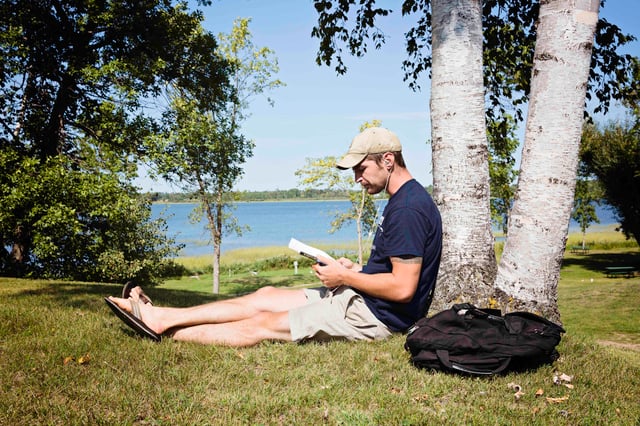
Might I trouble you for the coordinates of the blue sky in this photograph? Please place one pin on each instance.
(317, 113)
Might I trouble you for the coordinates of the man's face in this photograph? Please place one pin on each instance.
(371, 176)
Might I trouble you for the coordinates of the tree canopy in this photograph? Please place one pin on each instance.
(202, 148)
(509, 32)
(77, 84)
(611, 153)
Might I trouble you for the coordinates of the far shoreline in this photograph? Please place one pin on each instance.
(283, 200)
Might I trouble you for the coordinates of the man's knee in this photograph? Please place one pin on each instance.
(265, 291)
(275, 299)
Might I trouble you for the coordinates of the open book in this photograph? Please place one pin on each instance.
(306, 250)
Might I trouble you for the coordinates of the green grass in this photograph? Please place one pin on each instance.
(245, 270)
(604, 308)
(67, 360)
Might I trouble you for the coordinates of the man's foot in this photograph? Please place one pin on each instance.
(132, 317)
(132, 290)
(139, 305)
(129, 287)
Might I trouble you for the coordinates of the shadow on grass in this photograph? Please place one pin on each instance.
(250, 284)
(82, 295)
(597, 262)
(89, 296)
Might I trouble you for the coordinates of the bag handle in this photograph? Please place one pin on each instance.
(443, 356)
(464, 308)
(494, 315)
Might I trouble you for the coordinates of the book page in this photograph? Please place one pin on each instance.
(307, 250)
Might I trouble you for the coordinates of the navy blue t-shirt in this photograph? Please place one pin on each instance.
(410, 226)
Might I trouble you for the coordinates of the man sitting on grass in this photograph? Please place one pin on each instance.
(388, 294)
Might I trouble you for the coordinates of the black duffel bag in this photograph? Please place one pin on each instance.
(473, 341)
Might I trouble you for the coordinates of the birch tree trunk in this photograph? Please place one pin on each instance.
(216, 232)
(214, 223)
(529, 269)
(460, 154)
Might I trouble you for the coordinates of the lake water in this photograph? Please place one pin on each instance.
(271, 224)
(274, 223)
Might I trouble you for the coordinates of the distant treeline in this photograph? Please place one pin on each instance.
(278, 194)
(275, 195)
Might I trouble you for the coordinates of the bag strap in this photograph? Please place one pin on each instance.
(443, 356)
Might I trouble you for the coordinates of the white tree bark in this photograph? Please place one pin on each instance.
(460, 154)
(529, 269)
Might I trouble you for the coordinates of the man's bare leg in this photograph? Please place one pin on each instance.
(246, 332)
(267, 299)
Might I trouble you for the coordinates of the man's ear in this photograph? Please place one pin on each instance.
(387, 160)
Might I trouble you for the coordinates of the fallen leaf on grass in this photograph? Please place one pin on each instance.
(540, 392)
(557, 400)
(84, 359)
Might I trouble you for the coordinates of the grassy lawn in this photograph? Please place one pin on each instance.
(67, 360)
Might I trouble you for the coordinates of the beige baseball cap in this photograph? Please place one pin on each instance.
(373, 140)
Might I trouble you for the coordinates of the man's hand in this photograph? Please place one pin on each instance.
(330, 271)
(349, 264)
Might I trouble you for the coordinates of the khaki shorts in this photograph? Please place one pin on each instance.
(341, 314)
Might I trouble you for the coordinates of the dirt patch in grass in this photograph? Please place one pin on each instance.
(630, 346)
